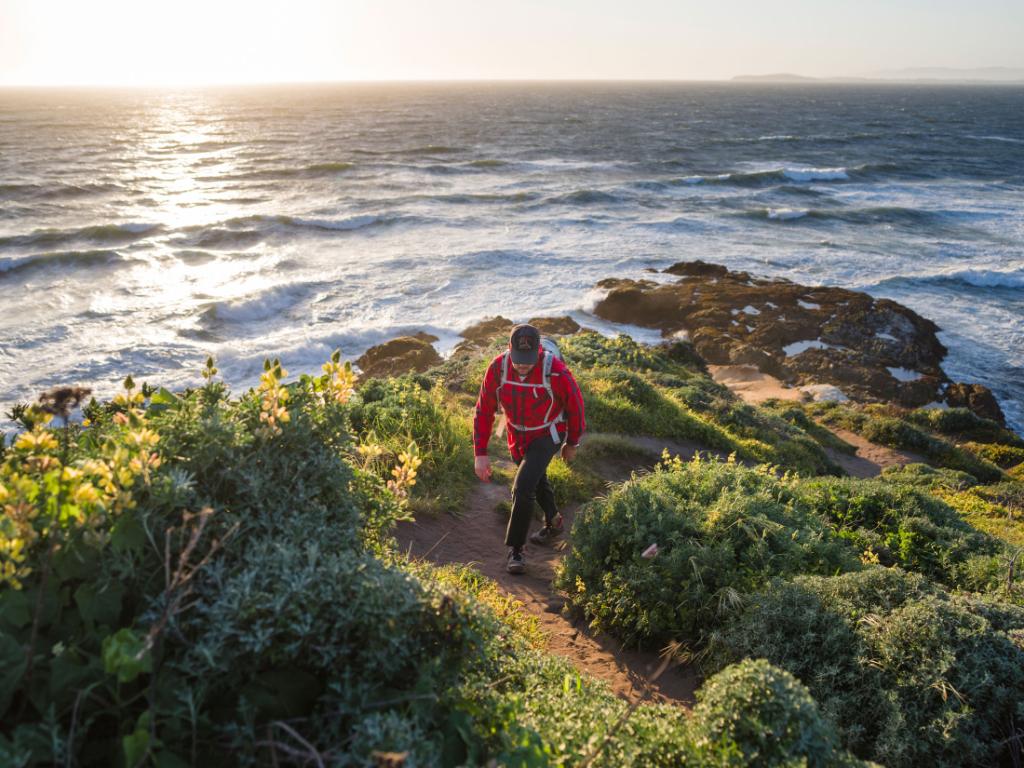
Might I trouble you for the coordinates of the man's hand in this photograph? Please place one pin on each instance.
(568, 452)
(482, 467)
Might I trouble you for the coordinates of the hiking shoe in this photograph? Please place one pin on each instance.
(549, 532)
(516, 563)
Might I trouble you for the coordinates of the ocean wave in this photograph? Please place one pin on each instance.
(1006, 139)
(282, 172)
(487, 163)
(982, 278)
(245, 231)
(354, 223)
(482, 197)
(259, 306)
(23, 264)
(56, 191)
(1010, 279)
(328, 168)
(430, 149)
(775, 175)
(100, 234)
(885, 214)
(786, 214)
(585, 197)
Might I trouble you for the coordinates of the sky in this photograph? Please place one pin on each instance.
(188, 42)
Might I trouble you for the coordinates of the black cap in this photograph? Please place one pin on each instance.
(524, 344)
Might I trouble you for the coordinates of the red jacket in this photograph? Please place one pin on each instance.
(528, 407)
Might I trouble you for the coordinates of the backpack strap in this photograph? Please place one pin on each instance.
(549, 423)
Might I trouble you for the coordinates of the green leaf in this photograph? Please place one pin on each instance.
(125, 655)
(161, 400)
(128, 535)
(69, 675)
(100, 605)
(12, 666)
(137, 743)
(15, 609)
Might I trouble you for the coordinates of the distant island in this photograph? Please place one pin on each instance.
(949, 75)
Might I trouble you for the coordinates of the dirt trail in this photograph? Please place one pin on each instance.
(754, 387)
(871, 458)
(477, 537)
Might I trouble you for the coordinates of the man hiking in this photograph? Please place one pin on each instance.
(543, 413)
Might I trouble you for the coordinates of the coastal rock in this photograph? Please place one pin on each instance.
(978, 398)
(555, 326)
(481, 334)
(401, 355)
(872, 349)
(488, 329)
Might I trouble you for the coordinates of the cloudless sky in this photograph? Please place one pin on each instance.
(211, 41)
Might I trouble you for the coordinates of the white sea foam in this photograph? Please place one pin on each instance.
(1007, 139)
(904, 374)
(260, 306)
(815, 174)
(786, 214)
(797, 347)
(352, 223)
(986, 278)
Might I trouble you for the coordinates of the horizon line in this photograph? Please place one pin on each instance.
(743, 79)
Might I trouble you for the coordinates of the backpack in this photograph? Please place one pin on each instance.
(550, 352)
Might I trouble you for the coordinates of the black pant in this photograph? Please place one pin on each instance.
(531, 483)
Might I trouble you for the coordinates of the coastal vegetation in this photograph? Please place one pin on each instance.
(201, 578)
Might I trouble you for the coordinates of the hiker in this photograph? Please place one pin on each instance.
(543, 413)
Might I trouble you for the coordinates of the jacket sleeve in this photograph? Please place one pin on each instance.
(572, 400)
(486, 406)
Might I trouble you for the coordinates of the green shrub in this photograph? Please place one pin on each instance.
(901, 525)
(888, 425)
(592, 350)
(1009, 495)
(758, 714)
(796, 415)
(963, 424)
(927, 476)
(1003, 456)
(909, 675)
(722, 531)
(391, 413)
(623, 402)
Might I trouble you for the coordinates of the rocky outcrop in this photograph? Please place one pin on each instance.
(873, 349)
(481, 334)
(978, 398)
(402, 355)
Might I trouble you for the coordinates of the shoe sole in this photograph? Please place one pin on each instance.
(516, 568)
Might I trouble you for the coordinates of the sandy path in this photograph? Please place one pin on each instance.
(751, 385)
(871, 458)
(754, 387)
(477, 537)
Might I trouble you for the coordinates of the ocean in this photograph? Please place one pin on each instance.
(141, 231)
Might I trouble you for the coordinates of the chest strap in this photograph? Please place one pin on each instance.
(549, 423)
